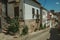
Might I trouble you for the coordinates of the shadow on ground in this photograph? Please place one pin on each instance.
(54, 34)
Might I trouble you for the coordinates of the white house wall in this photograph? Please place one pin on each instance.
(28, 9)
(44, 17)
(21, 9)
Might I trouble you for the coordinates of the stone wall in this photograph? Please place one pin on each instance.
(32, 25)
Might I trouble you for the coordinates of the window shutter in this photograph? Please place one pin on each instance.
(33, 12)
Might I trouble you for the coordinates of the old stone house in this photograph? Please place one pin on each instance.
(28, 12)
(9, 7)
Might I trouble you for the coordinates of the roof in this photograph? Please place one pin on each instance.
(40, 5)
(36, 2)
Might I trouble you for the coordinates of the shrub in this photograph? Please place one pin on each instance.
(44, 25)
(25, 30)
(14, 25)
(8, 19)
(36, 29)
(41, 27)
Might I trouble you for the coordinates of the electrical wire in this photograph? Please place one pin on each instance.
(45, 1)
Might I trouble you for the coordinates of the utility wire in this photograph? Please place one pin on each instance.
(45, 1)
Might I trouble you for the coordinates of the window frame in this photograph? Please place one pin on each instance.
(16, 10)
(33, 13)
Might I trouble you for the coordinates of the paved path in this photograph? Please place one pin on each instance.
(42, 35)
(7, 37)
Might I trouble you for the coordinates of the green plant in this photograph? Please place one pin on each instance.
(41, 27)
(35, 29)
(14, 25)
(44, 25)
(25, 30)
(8, 19)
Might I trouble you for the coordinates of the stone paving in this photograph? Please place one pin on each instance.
(7, 37)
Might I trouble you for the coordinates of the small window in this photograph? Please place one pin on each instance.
(33, 12)
(43, 13)
(37, 11)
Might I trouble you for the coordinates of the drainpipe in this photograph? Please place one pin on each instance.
(41, 15)
(0, 25)
(0, 21)
(0, 18)
(21, 14)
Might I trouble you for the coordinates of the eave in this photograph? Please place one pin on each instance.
(36, 2)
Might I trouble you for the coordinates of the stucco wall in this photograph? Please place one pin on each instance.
(10, 10)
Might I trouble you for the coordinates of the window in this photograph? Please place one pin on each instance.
(37, 17)
(43, 13)
(16, 11)
(37, 11)
(33, 12)
(5, 3)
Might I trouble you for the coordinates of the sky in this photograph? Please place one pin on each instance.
(51, 4)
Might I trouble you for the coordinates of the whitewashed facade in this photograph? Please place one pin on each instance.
(27, 7)
(29, 4)
(44, 17)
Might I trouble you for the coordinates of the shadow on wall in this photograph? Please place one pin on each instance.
(54, 34)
